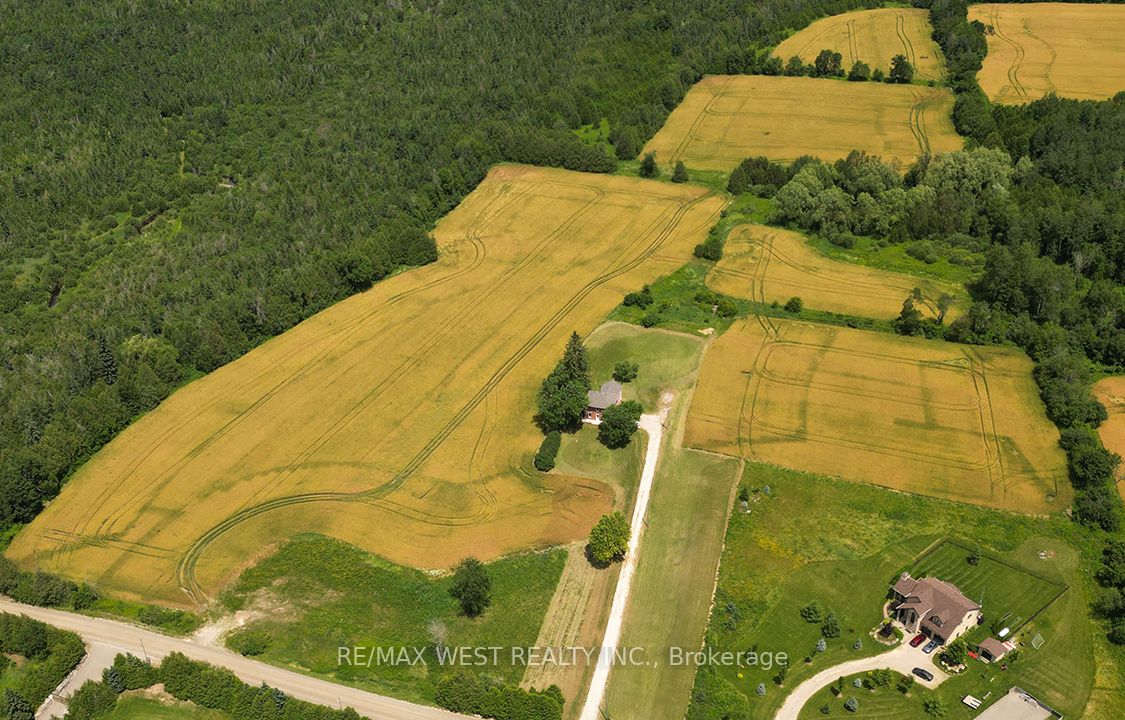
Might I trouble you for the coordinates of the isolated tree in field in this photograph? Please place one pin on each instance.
(471, 587)
(794, 305)
(831, 626)
(860, 72)
(909, 321)
(877, 75)
(901, 70)
(828, 64)
(974, 557)
(625, 371)
(648, 166)
(562, 397)
(609, 539)
(795, 67)
(679, 174)
(619, 422)
(934, 707)
(544, 460)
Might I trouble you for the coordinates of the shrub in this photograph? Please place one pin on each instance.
(812, 613)
(831, 626)
(609, 539)
(934, 707)
(905, 683)
(548, 449)
(851, 704)
(134, 672)
(92, 700)
(794, 305)
(648, 166)
(249, 642)
(640, 299)
(625, 371)
(761, 689)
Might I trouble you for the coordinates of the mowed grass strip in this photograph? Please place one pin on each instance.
(768, 264)
(726, 118)
(400, 420)
(1074, 50)
(873, 37)
(940, 419)
(1015, 595)
(1110, 392)
(674, 582)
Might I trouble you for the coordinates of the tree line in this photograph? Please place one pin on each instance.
(196, 682)
(52, 655)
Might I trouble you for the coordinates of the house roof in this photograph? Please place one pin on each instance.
(941, 605)
(609, 394)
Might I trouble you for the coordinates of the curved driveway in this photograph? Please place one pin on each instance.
(901, 659)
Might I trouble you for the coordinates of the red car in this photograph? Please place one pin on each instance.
(917, 640)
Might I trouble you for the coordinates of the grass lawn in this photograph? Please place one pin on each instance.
(813, 538)
(1011, 595)
(320, 594)
(885, 703)
(143, 708)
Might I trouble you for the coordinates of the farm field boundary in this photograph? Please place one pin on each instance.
(910, 414)
(726, 118)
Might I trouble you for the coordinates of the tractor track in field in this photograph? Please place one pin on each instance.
(1017, 63)
(189, 561)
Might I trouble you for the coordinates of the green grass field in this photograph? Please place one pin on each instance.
(1008, 593)
(319, 594)
(142, 708)
(683, 539)
(882, 703)
(813, 538)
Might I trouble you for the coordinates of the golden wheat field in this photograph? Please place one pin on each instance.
(399, 420)
(1071, 49)
(726, 118)
(1110, 392)
(873, 36)
(768, 264)
(950, 421)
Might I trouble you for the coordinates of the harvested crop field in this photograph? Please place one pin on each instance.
(951, 421)
(1071, 49)
(768, 264)
(871, 36)
(1110, 392)
(399, 420)
(726, 118)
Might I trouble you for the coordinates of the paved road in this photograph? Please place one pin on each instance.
(654, 426)
(105, 638)
(902, 659)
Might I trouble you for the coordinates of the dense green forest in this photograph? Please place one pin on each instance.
(183, 180)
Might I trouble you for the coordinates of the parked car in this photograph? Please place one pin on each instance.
(923, 673)
(930, 646)
(917, 640)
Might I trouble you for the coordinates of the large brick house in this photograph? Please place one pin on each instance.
(935, 608)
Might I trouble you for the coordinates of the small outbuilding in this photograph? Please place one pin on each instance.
(994, 650)
(598, 400)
